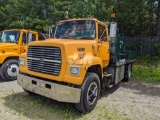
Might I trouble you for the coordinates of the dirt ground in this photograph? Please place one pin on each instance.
(138, 100)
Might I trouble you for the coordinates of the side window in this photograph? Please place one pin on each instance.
(42, 36)
(28, 37)
(33, 37)
(24, 38)
(102, 33)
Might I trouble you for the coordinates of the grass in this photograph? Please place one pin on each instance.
(41, 108)
(147, 73)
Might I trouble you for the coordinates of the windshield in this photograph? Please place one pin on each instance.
(9, 36)
(78, 29)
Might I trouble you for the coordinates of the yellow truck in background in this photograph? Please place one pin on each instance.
(84, 57)
(13, 42)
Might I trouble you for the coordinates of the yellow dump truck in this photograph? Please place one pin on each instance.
(82, 59)
(12, 43)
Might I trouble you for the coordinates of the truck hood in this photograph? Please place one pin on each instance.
(68, 46)
(2, 45)
(9, 48)
(61, 41)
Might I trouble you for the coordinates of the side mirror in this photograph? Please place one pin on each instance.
(113, 29)
(111, 39)
(112, 33)
(51, 30)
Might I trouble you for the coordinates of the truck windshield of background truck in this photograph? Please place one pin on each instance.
(9, 36)
(77, 29)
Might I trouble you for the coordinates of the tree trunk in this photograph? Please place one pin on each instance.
(158, 21)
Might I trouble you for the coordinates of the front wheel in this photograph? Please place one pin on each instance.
(90, 90)
(9, 69)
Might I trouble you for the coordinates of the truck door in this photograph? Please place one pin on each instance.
(103, 45)
(26, 38)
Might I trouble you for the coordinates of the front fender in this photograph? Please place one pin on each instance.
(83, 64)
(4, 56)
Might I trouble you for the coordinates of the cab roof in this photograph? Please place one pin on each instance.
(25, 30)
(94, 19)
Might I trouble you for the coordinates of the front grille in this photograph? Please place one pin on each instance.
(44, 59)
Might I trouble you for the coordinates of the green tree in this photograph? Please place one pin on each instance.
(158, 20)
(138, 17)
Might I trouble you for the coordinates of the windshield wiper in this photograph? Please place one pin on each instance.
(85, 37)
(65, 37)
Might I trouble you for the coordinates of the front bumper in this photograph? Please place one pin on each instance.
(51, 90)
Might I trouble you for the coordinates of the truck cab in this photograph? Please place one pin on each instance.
(12, 43)
(83, 58)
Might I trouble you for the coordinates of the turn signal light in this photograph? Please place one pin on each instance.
(80, 55)
(3, 51)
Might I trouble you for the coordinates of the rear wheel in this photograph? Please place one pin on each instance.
(90, 93)
(9, 69)
(128, 73)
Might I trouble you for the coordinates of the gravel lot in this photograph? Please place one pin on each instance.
(137, 100)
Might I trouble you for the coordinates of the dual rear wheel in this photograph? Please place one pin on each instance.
(128, 72)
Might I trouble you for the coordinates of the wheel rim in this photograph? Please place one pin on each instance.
(92, 93)
(129, 71)
(12, 70)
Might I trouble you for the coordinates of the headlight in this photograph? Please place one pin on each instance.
(74, 70)
(21, 62)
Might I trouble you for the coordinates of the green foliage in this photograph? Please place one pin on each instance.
(148, 60)
(143, 59)
(147, 68)
(158, 20)
(156, 50)
(133, 17)
(148, 73)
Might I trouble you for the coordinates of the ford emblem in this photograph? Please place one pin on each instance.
(41, 59)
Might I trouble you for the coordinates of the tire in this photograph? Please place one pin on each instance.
(1, 74)
(128, 73)
(9, 70)
(90, 90)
